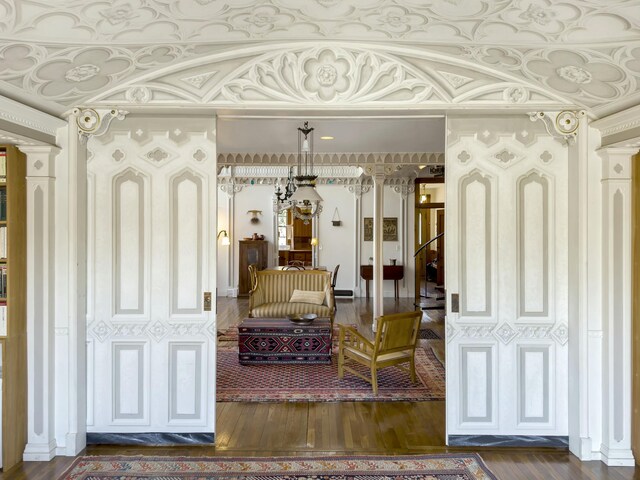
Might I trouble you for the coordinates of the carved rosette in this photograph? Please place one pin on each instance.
(565, 125)
(95, 122)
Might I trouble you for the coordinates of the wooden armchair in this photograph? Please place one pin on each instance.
(395, 344)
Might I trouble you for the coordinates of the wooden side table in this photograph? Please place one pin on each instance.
(389, 272)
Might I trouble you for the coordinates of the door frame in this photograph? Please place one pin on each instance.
(635, 315)
(417, 206)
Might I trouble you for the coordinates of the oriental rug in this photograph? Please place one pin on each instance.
(463, 466)
(429, 334)
(320, 383)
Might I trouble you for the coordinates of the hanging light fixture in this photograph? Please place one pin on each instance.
(305, 201)
(289, 188)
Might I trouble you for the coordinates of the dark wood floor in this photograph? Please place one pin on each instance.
(346, 428)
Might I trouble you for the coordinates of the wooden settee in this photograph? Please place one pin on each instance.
(272, 289)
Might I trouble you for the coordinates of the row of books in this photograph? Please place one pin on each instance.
(3, 281)
(3, 204)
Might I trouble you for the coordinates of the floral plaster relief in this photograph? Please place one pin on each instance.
(571, 73)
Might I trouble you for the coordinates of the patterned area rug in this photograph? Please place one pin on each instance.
(464, 466)
(429, 334)
(320, 383)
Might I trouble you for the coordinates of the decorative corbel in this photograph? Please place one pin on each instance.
(231, 188)
(564, 127)
(95, 122)
(359, 189)
(405, 189)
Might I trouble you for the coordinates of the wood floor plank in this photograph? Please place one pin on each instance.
(344, 428)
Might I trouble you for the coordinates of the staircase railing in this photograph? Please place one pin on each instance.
(426, 271)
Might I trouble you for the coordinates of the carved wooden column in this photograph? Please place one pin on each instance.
(41, 292)
(616, 290)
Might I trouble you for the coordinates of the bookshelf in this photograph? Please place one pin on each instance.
(13, 286)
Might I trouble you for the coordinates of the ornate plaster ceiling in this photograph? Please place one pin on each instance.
(61, 53)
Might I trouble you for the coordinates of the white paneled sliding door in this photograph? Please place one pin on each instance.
(152, 241)
(507, 252)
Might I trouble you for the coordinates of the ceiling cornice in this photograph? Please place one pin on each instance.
(29, 118)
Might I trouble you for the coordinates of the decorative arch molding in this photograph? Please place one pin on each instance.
(329, 75)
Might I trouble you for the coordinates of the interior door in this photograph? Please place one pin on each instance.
(506, 281)
(152, 241)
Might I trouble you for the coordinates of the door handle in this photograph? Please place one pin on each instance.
(207, 302)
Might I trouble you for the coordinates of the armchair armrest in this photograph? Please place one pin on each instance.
(354, 340)
(256, 297)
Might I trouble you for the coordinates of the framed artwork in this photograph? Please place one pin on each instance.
(389, 229)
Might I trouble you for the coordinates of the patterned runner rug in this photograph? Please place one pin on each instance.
(320, 383)
(464, 466)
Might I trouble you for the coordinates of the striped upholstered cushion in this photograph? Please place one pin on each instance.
(306, 296)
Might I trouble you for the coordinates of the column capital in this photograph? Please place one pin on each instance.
(359, 189)
(40, 159)
(378, 171)
(94, 122)
(616, 162)
(404, 190)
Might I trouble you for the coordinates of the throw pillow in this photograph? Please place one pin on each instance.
(307, 296)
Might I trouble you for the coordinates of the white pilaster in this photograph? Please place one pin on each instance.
(232, 289)
(357, 191)
(580, 441)
(41, 294)
(231, 188)
(406, 257)
(77, 215)
(616, 216)
(82, 125)
(378, 216)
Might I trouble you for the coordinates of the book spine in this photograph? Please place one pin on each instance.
(3, 319)
(3, 242)
(3, 281)
(3, 204)
(3, 166)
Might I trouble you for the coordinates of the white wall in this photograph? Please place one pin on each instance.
(337, 244)
(393, 209)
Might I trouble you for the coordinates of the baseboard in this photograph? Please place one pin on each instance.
(151, 438)
(75, 443)
(553, 441)
(617, 457)
(343, 293)
(39, 452)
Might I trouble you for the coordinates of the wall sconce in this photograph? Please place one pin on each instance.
(314, 242)
(225, 237)
(254, 216)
